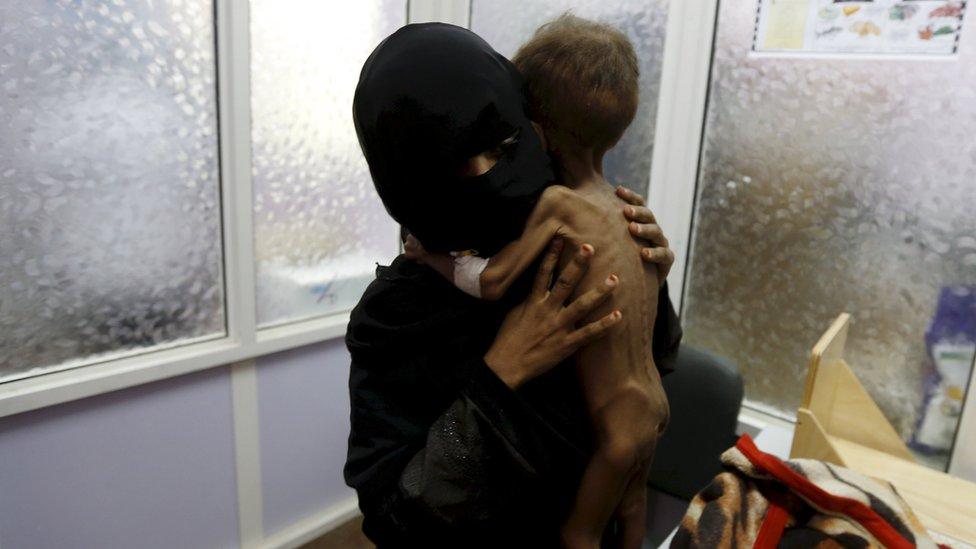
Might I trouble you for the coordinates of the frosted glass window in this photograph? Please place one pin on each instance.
(109, 198)
(507, 24)
(320, 229)
(830, 185)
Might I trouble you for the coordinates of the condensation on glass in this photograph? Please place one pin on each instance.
(507, 24)
(831, 185)
(319, 227)
(109, 197)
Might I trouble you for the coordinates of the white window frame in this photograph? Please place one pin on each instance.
(672, 191)
(685, 73)
(244, 340)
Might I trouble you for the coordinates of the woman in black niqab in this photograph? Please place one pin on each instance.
(441, 451)
(430, 97)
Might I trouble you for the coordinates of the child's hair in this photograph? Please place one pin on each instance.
(581, 80)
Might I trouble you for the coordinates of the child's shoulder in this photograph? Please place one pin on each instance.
(558, 199)
(557, 193)
(562, 197)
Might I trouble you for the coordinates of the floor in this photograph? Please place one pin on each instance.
(348, 536)
(663, 512)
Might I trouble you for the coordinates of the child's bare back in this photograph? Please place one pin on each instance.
(620, 381)
(619, 378)
(628, 365)
(581, 82)
(593, 216)
(617, 373)
(581, 79)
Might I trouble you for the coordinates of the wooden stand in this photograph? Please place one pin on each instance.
(839, 422)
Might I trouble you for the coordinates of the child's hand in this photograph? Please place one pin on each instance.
(414, 250)
(441, 263)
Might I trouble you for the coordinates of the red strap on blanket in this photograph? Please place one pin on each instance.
(773, 524)
(854, 509)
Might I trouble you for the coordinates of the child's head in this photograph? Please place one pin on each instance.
(581, 79)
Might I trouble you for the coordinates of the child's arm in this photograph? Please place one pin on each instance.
(463, 270)
(442, 263)
(490, 278)
(546, 221)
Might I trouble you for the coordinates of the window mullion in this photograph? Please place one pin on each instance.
(681, 114)
(234, 86)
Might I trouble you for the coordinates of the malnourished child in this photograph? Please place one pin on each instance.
(581, 79)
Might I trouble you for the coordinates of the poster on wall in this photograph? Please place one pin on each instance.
(926, 27)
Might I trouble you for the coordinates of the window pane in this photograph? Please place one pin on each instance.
(832, 185)
(109, 198)
(507, 24)
(319, 226)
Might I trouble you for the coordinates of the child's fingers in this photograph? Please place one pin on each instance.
(629, 196)
(544, 276)
(411, 248)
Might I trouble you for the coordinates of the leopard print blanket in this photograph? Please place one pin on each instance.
(761, 501)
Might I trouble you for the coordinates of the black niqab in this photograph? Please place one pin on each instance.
(429, 97)
(441, 452)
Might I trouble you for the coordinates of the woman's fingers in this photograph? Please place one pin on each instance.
(640, 214)
(586, 303)
(660, 256)
(629, 196)
(544, 276)
(571, 275)
(663, 258)
(595, 329)
(650, 232)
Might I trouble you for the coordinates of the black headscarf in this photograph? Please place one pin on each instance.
(429, 97)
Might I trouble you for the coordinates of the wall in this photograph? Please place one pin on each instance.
(154, 466)
(828, 185)
(304, 422)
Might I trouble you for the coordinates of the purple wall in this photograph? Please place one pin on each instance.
(151, 466)
(304, 424)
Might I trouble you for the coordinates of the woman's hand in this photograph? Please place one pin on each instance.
(644, 226)
(542, 331)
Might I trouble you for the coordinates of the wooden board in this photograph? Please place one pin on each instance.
(839, 422)
(810, 441)
(943, 503)
(847, 411)
(829, 348)
(838, 400)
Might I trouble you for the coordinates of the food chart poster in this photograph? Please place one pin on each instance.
(925, 27)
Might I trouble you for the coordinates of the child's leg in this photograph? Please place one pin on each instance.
(604, 481)
(631, 513)
(626, 440)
